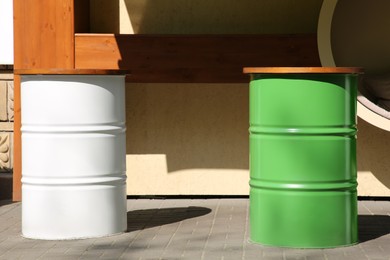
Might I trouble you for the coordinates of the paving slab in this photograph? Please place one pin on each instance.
(190, 229)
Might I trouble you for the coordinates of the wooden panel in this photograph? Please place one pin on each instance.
(193, 58)
(43, 34)
(17, 173)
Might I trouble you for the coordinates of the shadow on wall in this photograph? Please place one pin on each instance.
(196, 126)
(109, 22)
(222, 16)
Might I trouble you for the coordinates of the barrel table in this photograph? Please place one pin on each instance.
(303, 156)
(73, 156)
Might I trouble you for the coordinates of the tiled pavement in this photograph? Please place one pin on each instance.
(190, 229)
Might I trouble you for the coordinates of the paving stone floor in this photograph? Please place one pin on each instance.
(190, 229)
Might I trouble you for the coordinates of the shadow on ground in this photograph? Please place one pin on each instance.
(148, 218)
(372, 227)
(5, 202)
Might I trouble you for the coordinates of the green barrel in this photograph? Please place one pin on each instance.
(303, 157)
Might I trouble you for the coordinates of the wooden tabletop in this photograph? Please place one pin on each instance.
(331, 70)
(69, 72)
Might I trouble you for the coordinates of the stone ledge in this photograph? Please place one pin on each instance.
(6, 101)
(6, 76)
(6, 127)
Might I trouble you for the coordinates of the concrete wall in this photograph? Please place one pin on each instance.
(193, 138)
(6, 32)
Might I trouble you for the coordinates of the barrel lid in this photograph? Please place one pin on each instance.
(330, 70)
(69, 72)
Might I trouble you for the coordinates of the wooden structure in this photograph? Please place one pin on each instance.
(52, 35)
(192, 58)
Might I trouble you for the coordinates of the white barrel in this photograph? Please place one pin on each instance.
(73, 156)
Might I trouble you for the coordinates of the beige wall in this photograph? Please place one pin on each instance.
(193, 138)
(373, 150)
(187, 138)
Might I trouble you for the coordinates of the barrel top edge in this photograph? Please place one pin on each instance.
(70, 72)
(292, 70)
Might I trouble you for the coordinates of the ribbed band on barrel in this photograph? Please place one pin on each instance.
(336, 130)
(117, 178)
(312, 186)
(111, 178)
(73, 129)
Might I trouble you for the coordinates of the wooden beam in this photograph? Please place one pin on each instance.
(17, 156)
(43, 38)
(193, 58)
(43, 34)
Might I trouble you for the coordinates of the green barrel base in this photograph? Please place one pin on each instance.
(300, 247)
(303, 219)
(297, 247)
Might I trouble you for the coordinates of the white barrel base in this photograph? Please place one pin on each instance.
(64, 213)
(73, 156)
